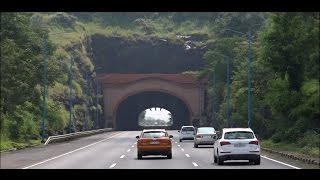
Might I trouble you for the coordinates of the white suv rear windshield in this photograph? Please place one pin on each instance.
(238, 135)
(187, 129)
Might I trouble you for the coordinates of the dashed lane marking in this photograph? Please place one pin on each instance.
(194, 164)
(113, 165)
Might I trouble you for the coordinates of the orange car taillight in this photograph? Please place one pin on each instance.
(254, 142)
(198, 136)
(222, 143)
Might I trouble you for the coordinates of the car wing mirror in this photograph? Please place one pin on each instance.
(170, 136)
(137, 137)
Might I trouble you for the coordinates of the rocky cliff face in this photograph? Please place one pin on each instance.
(150, 55)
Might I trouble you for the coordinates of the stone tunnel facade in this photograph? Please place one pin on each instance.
(127, 95)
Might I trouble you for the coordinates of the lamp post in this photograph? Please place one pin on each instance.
(213, 100)
(87, 108)
(87, 101)
(228, 90)
(97, 99)
(70, 96)
(44, 86)
(45, 83)
(97, 103)
(249, 62)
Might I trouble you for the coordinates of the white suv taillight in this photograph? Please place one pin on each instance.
(254, 142)
(224, 143)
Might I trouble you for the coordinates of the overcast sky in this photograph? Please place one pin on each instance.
(157, 114)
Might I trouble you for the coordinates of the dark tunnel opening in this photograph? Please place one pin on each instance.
(128, 111)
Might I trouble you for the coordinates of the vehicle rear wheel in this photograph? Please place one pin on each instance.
(169, 156)
(139, 156)
(257, 161)
(220, 160)
(195, 145)
(214, 159)
(180, 140)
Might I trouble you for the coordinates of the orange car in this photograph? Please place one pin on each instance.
(154, 142)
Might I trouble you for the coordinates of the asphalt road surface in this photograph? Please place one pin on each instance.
(118, 150)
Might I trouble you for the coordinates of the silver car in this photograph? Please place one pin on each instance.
(186, 133)
(205, 136)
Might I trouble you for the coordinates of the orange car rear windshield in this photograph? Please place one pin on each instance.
(154, 134)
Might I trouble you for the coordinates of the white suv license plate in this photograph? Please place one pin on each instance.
(239, 145)
(154, 142)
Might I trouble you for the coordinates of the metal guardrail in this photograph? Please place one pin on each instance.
(75, 135)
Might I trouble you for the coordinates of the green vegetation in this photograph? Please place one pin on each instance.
(284, 69)
(284, 80)
(291, 147)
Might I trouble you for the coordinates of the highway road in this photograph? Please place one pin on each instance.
(117, 150)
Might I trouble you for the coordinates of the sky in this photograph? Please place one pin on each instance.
(157, 114)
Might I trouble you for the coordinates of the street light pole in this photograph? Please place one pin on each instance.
(87, 101)
(249, 82)
(249, 75)
(213, 100)
(97, 101)
(87, 108)
(228, 91)
(44, 86)
(70, 96)
(45, 82)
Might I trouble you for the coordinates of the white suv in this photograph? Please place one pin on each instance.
(236, 144)
(187, 133)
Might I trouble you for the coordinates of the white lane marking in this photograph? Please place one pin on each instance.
(179, 145)
(175, 142)
(195, 164)
(113, 165)
(182, 149)
(132, 146)
(187, 155)
(280, 162)
(122, 156)
(135, 143)
(71, 152)
(128, 150)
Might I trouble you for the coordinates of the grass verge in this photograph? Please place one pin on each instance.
(290, 147)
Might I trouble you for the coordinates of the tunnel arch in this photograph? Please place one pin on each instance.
(127, 111)
(185, 88)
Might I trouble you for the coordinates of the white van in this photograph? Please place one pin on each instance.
(187, 133)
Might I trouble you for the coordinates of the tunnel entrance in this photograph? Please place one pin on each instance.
(128, 111)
